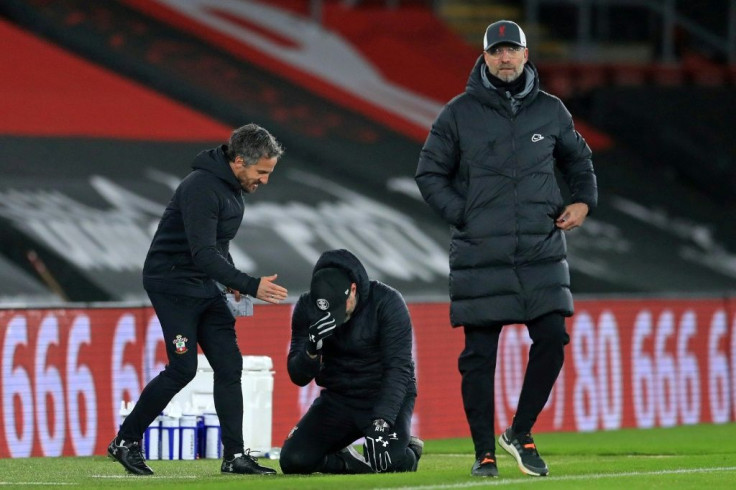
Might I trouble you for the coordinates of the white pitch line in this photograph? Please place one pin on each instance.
(34, 483)
(652, 456)
(145, 477)
(537, 480)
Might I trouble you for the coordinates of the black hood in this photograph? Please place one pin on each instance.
(346, 260)
(478, 89)
(215, 161)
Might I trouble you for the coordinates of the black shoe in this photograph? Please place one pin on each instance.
(523, 449)
(245, 464)
(355, 464)
(416, 445)
(128, 454)
(485, 465)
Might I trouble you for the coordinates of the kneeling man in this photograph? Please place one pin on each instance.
(354, 336)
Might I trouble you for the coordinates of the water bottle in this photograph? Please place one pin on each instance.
(169, 437)
(212, 436)
(124, 412)
(188, 433)
(152, 439)
(201, 439)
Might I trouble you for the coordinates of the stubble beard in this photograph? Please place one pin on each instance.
(510, 77)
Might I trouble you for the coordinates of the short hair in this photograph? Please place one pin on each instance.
(252, 142)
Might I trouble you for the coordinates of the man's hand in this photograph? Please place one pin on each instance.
(234, 292)
(269, 291)
(572, 217)
(320, 330)
(378, 439)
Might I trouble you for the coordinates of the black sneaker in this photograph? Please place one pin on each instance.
(523, 449)
(355, 464)
(245, 464)
(485, 465)
(417, 446)
(128, 454)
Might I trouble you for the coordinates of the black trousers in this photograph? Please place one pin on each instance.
(477, 364)
(187, 321)
(330, 425)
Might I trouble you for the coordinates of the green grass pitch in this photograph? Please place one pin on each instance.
(701, 456)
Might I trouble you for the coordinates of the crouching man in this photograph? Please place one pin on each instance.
(354, 336)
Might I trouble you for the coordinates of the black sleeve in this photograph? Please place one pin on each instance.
(302, 368)
(438, 164)
(574, 159)
(200, 208)
(396, 346)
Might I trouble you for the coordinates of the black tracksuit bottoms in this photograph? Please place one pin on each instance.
(330, 425)
(187, 321)
(477, 364)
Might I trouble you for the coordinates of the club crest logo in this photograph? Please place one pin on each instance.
(180, 344)
(323, 304)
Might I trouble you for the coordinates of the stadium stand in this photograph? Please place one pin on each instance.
(180, 81)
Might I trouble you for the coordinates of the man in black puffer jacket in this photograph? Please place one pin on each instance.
(354, 337)
(488, 169)
(188, 257)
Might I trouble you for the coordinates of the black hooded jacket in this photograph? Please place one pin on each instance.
(488, 169)
(368, 361)
(190, 250)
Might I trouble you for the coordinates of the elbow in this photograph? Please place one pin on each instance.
(204, 259)
(298, 375)
(299, 380)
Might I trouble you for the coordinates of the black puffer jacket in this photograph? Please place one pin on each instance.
(190, 250)
(368, 361)
(487, 168)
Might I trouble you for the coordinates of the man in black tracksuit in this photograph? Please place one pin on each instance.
(188, 257)
(488, 169)
(354, 336)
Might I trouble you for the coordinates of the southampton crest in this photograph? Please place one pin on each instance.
(180, 344)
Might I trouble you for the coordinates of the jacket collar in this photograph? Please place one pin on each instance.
(479, 87)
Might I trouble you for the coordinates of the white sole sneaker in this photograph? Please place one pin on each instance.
(510, 448)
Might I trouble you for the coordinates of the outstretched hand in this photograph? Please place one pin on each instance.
(572, 216)
(269, 291)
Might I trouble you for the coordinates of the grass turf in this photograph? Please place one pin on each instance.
(702, 456)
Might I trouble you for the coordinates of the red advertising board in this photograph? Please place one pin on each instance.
(630, 363)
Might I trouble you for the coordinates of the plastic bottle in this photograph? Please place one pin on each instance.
(188, 433)
(152, 439)
(124, 412)
(212, 435)
(200, 436)
(170, 433)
